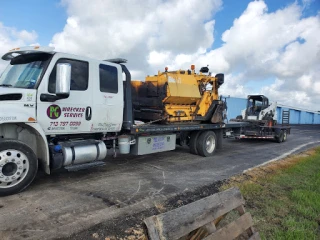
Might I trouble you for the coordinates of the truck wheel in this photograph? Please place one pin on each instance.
(279, 139)
(284, 135)
(206, 144)
(18, 166)
(193, 142)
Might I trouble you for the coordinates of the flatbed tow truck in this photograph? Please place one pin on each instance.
(60, 110)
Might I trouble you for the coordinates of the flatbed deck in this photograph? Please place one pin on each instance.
(158, 128)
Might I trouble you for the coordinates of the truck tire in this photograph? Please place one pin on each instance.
(207, 143)
(284, 135)
(279, 139)
(18, 166)
(193, 142)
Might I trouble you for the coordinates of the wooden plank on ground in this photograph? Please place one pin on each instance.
(199, 234)
(203, 231)
(179, 222)
(210, 227)
(151, 224)
(242, 211)
(233, 229)
(255, 236)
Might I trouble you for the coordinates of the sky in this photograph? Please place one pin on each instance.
(269, 47)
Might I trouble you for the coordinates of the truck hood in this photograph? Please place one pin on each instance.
(17, 105)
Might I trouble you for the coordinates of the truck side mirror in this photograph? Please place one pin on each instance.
(63, 79)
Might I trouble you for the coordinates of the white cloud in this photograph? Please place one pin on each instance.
(296, 98)
(158, 58)
(316, 88)
(11, 37)
(150, 34)
(233, 87)
(305, 82)
(26, 36)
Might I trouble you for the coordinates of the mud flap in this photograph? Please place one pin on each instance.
(219, 134)
(217, 116)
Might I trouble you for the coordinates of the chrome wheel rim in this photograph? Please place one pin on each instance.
(210, 144)
(284, 135)
(14, 166)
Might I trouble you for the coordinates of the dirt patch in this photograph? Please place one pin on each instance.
(131, 227)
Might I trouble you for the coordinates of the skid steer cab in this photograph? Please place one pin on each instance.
(259, 108)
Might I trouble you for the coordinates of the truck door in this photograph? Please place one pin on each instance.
(74, 113)
(107, 110)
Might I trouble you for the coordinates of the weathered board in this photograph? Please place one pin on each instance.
(200, 218)
(233, 229)
(255, 236)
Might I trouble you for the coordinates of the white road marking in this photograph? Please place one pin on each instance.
(305, 131)
(281, 156)
(135, 192)
(164, 178)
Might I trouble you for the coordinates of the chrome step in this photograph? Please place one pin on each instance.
(78, 167)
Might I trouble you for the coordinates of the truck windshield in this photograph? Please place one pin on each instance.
(24, 71)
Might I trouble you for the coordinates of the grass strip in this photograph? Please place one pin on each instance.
(284, 197)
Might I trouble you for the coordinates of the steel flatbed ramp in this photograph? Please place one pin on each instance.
(157, 128)
(236, 124)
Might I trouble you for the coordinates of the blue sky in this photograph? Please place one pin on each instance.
(46, 17)
(283, 66)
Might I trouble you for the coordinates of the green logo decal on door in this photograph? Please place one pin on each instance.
(54, 111)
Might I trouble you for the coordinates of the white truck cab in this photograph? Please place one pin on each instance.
(96, 87)
(45, 94)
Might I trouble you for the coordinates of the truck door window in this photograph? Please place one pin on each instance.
(108, 78)
(79, 75)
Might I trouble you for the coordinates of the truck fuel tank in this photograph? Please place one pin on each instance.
(76, 152)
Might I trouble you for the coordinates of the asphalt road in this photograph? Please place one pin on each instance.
(64, 203)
